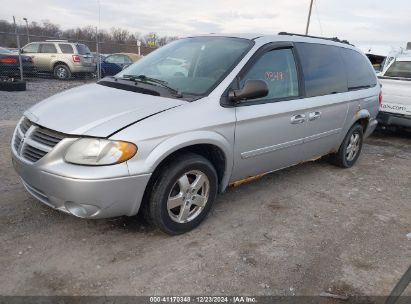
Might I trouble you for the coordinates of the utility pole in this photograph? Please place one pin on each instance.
(18, 46)
(27, 29)
(98, 42)
(139, 47)
(98, 55)
(309, 17)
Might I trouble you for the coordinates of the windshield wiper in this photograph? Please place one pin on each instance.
(145, 79)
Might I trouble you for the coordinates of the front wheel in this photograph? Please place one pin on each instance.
(183, 194)
(350, 148)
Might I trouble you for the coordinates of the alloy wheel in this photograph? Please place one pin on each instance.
(353, 147)
(188, 196)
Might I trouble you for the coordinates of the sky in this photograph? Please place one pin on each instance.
(366, 22)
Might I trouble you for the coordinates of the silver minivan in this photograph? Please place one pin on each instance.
(167, 143)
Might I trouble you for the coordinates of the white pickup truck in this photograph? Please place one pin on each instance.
(395, 108)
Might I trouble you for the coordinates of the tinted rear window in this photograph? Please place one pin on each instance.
(359, 72)
(323, 69)
(399, 69)
(83, 49)
(66, 48)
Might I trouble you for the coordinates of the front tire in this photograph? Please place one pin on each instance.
(183, 194)
(350, 148)
(61, 72)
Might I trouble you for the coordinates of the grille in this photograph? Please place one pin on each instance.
(32, 142)
(47, 137)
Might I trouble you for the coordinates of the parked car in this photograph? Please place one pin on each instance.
(60, 57)
(250, 104)
(173, 67)
(396, 99)
(114, 63)
(101, 57)
(10, 65)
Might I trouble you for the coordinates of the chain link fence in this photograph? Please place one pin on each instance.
(24, 56)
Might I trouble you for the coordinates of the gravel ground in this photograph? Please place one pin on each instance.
(300, 231)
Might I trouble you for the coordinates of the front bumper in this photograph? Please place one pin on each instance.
(86, 198)
(388, 119)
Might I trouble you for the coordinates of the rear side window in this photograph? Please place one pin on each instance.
(277, 68)
(83, 49)
(31, 48)
(399, 69)
(66, 48)
(323, 69)
(359, 72)
(48, 48)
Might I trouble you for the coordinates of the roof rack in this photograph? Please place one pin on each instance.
(56, 40)
(335, 39)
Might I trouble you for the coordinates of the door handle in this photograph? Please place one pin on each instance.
(314, 115)
(297, 119)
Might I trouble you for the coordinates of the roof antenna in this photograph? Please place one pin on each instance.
(309, 17)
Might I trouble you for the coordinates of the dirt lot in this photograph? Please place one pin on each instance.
(301, 231)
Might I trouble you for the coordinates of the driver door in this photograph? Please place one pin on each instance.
(270, 130)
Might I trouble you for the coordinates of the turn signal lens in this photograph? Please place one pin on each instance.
(99, 152)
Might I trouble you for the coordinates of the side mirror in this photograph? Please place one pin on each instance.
(252, 89)
(21, 51)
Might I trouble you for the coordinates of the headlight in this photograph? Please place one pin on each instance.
(98, 152)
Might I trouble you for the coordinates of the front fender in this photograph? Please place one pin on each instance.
(175, 143)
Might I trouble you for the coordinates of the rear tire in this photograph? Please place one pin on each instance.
(61, 72)
(182, 194)
(350, 148)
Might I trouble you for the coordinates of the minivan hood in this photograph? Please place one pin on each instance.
(96, 110)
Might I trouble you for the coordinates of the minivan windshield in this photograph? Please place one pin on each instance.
(191, 66)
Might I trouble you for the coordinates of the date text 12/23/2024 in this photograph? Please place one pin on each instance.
(203, 299)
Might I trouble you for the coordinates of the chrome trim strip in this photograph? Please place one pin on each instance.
(269, 149)
(321, 135)
(264, 150)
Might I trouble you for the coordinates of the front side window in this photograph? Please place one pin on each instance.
(323, 69)
(31, 48)
(399, 69)
(118, 59)
(48, 48)
(277, 68)
(359, 72)
(127, 59)
(192, 65)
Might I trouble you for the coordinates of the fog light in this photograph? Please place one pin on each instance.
(81, 210)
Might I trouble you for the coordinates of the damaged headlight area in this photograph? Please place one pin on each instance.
(99, 152)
